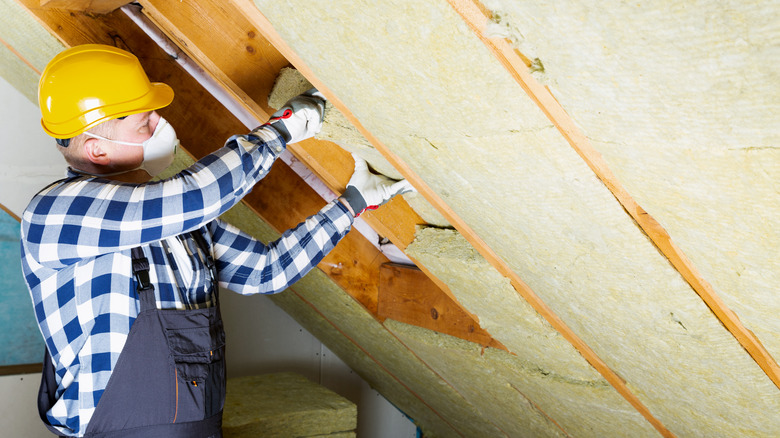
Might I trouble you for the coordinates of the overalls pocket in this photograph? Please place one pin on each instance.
(200, 371)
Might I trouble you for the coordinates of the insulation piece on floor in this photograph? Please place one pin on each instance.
(357, 338)
(284, 405)
(545, 367)
(422, 414)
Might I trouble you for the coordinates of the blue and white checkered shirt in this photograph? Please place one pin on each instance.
(77, 235)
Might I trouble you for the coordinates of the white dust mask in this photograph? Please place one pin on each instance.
(159, 149)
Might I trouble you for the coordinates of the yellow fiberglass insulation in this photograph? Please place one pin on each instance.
(470, 133)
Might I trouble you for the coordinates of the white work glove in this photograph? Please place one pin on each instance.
(367, 191)
(301, 117)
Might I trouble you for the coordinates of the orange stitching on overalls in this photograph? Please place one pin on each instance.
(176, 379)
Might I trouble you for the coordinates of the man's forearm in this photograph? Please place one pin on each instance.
(84, 217)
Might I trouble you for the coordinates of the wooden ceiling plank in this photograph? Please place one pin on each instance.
(354, 264)
(232, 53)
(477, 18)
(246, 64)
(91, 6)
(266, 28)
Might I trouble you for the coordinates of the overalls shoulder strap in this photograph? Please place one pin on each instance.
(141, 272)
(197, 235)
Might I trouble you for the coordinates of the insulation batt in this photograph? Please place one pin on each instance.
(337, 129)
(491, 155)
(545, 369)
(682, 103)
(358, 339)
(285, 405)
(20, 31)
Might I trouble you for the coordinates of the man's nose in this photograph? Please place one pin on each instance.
(154, 118)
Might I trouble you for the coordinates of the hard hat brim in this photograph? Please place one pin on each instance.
(159, 96)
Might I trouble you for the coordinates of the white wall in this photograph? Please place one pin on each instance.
(29, 157)
(261, 337)
(18, 407)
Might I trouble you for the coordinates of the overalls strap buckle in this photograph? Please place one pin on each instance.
(141, 269)
(204, 247)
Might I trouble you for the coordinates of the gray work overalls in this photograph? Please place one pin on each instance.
(169, 380)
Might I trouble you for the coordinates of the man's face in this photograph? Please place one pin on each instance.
(135, 128)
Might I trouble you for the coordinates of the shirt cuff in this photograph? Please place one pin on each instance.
(268, 133)
(338, 215)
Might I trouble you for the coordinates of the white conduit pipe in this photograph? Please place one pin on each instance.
(250, 121)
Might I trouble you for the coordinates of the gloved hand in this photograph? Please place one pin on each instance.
(301, 117)
(367, 191)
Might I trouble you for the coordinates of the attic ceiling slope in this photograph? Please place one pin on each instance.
(711, 139)
(208, 125)
(470, 134)
(406, 237)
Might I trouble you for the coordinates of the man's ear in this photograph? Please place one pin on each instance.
(94, 153)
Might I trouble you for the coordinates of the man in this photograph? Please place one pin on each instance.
(124, 271)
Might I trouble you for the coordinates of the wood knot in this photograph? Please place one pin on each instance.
(434, 313)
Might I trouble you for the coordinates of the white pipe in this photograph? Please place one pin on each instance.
(250, 121)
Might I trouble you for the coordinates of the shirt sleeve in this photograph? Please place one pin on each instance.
(85, 216)
(248, 266)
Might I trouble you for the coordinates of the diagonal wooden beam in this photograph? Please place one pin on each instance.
(10, 213)
(407, 295)
(267, 29)
(477, 17)
(246, 65)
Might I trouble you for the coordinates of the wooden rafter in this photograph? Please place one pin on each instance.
(477, 17)
(407, 295)
(267, 29)
(245, 64)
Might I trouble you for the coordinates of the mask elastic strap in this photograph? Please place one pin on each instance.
(126, 143)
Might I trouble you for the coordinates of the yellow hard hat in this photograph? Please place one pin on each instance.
(86, 85)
